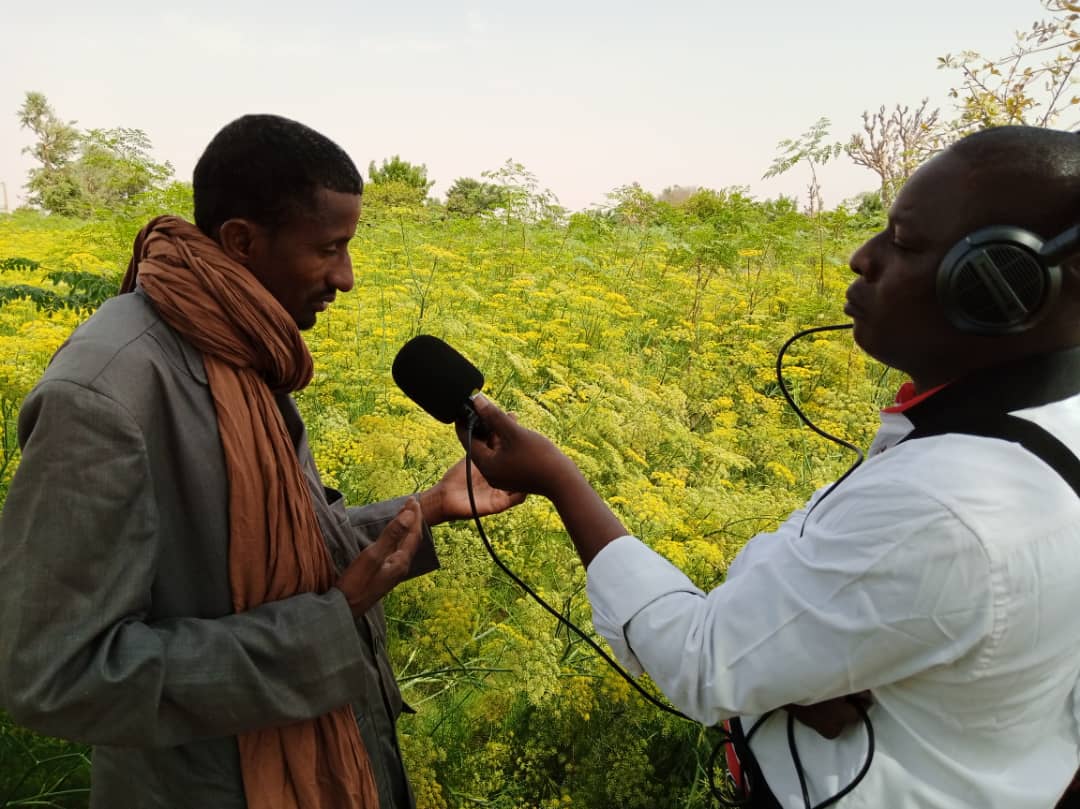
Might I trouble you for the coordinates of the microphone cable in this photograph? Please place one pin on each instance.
(859, 457)
(726, 738)
(806, 420)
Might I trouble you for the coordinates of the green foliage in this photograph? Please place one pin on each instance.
(521, 198)
(1032, 85)
(18, 263)
(36, 771)
(633, 205)
(83, 173)
(397, 182)
(51, 185)
(69, 289)
(471, 197)
(392, 194)
(808, 148)
(57, 140)
(115, 170)
(641, 337)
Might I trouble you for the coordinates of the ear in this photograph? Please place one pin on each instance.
(239, 240)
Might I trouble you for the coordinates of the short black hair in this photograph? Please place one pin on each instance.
(1029, 149)
(267, 168)
(1030, 157)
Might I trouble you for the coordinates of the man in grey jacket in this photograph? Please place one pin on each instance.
(119, 624)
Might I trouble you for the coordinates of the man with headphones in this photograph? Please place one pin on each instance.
(942, 576)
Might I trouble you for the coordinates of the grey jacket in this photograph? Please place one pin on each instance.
(116, 624)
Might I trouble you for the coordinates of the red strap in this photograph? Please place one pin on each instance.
(733, 765)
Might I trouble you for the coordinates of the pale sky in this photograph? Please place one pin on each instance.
(588, 95)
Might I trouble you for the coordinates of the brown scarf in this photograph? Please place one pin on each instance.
(251, 348)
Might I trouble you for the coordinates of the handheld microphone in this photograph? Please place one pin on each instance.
(439, 379)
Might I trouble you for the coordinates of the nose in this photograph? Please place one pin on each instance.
(861, 260)
(341, 276)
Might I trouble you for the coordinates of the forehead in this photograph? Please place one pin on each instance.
(937, 195)
(324, 212)
(950, 196)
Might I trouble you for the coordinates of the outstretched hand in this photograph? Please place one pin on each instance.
(382, 565)
(448, 499)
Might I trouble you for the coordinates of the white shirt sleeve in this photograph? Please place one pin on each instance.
(883, 582)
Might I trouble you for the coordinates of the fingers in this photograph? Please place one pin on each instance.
(401, 536)
(497, 421)
(864, 699)
(479, 432)
(380, 566)
(829, 718)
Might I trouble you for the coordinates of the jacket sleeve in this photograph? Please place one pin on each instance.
(80, 657)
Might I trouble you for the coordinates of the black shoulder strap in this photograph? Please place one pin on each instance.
(1020, 431)
(981, 403)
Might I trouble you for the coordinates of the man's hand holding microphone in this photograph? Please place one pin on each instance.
(517, 459)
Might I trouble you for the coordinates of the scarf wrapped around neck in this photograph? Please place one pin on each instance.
(252, 349)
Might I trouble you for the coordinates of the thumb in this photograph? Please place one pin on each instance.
(477, 428)
(495, 419)
(399, 528)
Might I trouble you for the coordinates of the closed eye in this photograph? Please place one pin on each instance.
(334, 248)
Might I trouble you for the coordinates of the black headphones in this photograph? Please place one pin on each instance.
(1003, 279)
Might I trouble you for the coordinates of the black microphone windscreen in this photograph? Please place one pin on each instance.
(436, 377)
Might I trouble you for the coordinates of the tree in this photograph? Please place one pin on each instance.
(633, 205)
(521, 196)
(807, 148)
(51, 185)
(399, 182)
(471, 197)
(115, 169)
(893, 145)
(84, 172)
(1017, 88)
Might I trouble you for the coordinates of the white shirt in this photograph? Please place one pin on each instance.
(944, 575)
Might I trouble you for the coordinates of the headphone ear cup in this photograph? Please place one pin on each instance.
(994, 282)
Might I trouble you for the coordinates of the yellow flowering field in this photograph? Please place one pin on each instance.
(643, 342)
